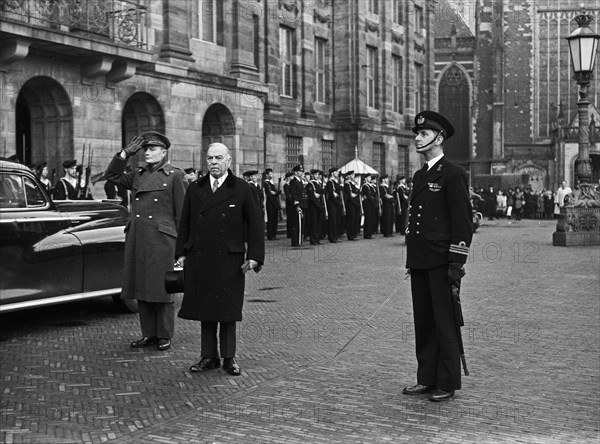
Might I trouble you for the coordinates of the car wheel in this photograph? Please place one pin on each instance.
(126, 306)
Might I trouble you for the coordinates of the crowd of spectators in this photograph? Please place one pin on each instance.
(518, 202)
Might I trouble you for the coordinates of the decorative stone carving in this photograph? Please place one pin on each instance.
(289, 5)
(397, 36)
(371, 26)
(324, 18)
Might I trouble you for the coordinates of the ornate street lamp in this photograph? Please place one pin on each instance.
(579, 222)
(583, 46)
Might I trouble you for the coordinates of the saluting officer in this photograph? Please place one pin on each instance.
(158, 190)
(437, 242)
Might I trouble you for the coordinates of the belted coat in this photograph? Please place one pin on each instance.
(218, 231)
(440, 224)
(156, 205)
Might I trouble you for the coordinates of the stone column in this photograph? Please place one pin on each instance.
(175, 46)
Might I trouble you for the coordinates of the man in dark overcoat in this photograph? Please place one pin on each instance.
(437, 243)
(221, 237)
(157, 191)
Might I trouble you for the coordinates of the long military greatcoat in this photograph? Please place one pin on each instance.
(214, 232)
(157, 200)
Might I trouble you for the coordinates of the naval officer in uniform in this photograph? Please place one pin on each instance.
(437, 242)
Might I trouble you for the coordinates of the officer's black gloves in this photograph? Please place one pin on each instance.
(456, 271)
(134, 146)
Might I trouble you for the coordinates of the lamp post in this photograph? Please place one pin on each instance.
(583, 45)
(579, 221)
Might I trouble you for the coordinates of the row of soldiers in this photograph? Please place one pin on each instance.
(320, 205)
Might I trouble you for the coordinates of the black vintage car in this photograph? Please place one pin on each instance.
(53, 252)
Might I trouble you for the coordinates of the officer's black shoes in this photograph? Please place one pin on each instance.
(417, 389)
(206, 364)
(231, 367)
(164, 344)
(144, 342)
(441, 395)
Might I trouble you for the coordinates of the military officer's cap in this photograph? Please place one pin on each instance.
(249, 173)
(332, 169)
(315, 171)
(288, 175)
(349, 172)
(434, 121)
(69, 163)
(298, 168)
(384, 176)
(268, 170)
(156, 138)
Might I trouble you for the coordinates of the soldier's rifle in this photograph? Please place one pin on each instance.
(324, 201)
(88, 173)
(79, 170)
(343, 201)
(379, 210)
(278, 196)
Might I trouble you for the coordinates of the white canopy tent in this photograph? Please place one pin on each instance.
(358, 166)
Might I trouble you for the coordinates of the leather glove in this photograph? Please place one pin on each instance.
(456, 271)
(134, 146)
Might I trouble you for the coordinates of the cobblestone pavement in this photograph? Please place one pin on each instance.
(532, 339)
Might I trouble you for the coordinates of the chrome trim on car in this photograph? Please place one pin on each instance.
(6, 308)
(46, 219)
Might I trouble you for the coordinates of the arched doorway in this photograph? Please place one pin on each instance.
(141, 113)
(44, 124)
(537, 177)
(218, 126)
(454, 93)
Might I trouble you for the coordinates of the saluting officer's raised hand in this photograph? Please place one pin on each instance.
(134, 146)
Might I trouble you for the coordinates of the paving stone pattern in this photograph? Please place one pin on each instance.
(532, 340)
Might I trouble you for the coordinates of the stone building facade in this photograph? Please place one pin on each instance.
(513, 61)
(278, 81)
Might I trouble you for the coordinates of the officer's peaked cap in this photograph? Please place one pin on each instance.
(156, 138)
(434, 121)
